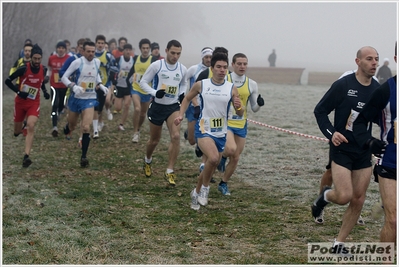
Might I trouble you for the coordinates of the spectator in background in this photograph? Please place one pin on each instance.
(155, 51)
(272, 58)
(384, 72)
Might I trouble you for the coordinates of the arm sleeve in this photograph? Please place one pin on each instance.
(203, 75)
(370, 112)
(183, 84)
(18, 73)
(71, 69)
(149, 76)
(253, 88)
(330, 100)
(65, 66)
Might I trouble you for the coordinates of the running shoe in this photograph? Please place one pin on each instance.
(360, 221)
(222, 164)
(147, 169)
(198, 151)
(201, 168)
(203, 196)
(121, 128)
(84, 162)
(26, 162)
(54, 133)
(96, 135)
(136, 138)
(319, 219)
(223, 188)
(170, 177)
(319, 203)
(109, 115)
(115, 111)
(194, 201)
(100, 126)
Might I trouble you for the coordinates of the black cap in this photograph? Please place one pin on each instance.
(28, 41)
(36, 50)
(61, 43)
(154, 46)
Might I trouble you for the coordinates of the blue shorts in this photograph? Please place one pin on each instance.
(190, 113)
(78, 105)
(143, 98)
(220, 142)
(240, 132)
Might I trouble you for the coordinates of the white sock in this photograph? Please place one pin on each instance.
(325, 195)
(205, 187)
(95, 125)
(169, 171)
(147, 160)
(337, 243)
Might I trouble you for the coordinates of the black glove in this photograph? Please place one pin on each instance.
(160, 93)
(23, 95)
(197, 111)
(46, 79)
(260, 101)
(46, 95)
(181, 97)
(376, 146)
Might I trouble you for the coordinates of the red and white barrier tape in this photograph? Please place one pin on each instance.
(288, 131)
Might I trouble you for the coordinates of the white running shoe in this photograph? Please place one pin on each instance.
(320, 219)
(203, 196)
(96, 135)
(194, 201)
(100, 126)
(109, 115)
(121, 128)
(136, 137)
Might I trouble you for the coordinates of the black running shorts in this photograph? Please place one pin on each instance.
(351, 160)
(158, 113)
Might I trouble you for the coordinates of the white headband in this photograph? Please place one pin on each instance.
(206, 52)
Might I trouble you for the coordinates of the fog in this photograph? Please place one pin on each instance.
(316, 36)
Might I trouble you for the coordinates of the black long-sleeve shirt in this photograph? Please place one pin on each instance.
(18, 73)
(346, 97)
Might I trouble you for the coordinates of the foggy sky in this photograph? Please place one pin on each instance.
(315, 36)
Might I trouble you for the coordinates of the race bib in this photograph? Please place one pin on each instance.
(212, 125)
(170, 91)
(123, 74)
(136, 77)
(32, 91)
(56, 78)
(352, 117)
(88, 87)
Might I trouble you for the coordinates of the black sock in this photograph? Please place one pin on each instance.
(66, 129)
(54, 118)
(26, 156)
(222, 182)
(85, 144)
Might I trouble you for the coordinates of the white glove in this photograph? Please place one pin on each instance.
(104, 89)
(78, 89)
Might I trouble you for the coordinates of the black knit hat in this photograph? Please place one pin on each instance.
(36, 50)
(154, 46)
(62, 44)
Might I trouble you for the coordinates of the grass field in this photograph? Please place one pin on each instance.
(55, 212)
